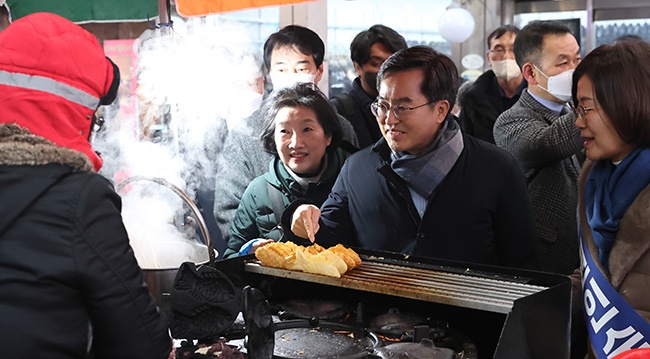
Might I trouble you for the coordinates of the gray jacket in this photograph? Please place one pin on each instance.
(545, 145)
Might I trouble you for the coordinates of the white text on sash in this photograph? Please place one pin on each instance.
(611, 326)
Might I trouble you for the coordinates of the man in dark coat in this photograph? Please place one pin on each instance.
(70, 286)
(425, 188)
(496, 90)
(369, 49)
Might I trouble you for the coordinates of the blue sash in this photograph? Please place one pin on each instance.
(613, 325)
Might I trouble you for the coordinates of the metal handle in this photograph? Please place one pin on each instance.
(195, 210)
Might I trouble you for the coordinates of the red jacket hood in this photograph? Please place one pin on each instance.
(52, 76)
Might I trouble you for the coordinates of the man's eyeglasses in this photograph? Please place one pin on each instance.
(501, 51)
(380, 109)
(581, 111)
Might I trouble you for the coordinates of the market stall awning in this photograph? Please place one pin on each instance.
(81, 11)
(188, 8)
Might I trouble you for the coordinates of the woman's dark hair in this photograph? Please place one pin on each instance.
(300, 95)
(440, 80)
(620, 76)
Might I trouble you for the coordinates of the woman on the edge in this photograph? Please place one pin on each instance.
(611, 94)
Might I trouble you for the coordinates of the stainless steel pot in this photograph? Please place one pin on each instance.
(161, 281)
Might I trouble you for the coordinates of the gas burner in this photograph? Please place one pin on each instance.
(394, 325)
(422, 350)
(328, 310)
(403, 327)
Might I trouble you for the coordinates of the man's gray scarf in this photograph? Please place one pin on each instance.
(424, 173)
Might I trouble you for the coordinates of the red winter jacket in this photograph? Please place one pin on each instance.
(54, 91)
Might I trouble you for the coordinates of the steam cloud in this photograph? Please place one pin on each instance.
(194, 83)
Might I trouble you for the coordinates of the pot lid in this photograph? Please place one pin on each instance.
(395, 323)
(329, 310)
(296, 339)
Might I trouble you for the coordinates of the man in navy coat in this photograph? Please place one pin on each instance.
(425, 188)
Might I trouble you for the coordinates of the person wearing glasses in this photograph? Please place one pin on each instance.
(611, 86)
(302, 132)
(539, 131)
(424, 189)
(496, 90)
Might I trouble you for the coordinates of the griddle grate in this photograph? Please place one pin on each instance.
(436, 286)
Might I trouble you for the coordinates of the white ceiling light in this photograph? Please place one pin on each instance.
(456, 24)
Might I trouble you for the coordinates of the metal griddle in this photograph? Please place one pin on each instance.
(506, 312)
(462, 290)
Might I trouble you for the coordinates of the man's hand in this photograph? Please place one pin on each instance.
(304, 222)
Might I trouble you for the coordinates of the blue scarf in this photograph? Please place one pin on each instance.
(609, 192)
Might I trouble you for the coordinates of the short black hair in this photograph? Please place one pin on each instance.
(529, 41)
(360, 46)
(299, 95)
(500, 31)
(620, 77)
(294, 36)
(440, 74)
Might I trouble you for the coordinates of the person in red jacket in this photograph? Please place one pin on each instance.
(70, 286)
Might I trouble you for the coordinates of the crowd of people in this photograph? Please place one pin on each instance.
(546, 167)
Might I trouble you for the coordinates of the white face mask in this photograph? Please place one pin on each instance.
(559, 85)
(287, 79)
(506, 69)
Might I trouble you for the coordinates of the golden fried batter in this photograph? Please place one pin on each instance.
(333, 262)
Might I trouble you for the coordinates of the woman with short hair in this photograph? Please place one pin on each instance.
(303, 133)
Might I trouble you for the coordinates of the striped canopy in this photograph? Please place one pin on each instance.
(189, 8)
(83, 11)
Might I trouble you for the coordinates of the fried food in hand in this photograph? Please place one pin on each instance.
(333, 262)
